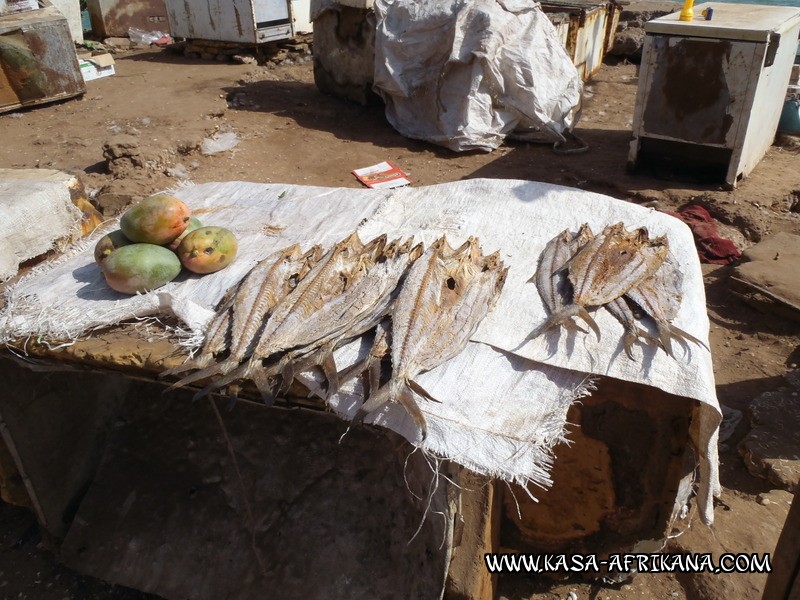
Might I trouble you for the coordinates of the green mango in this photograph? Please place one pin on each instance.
(194, 223)
(108, 243)
(140, 267)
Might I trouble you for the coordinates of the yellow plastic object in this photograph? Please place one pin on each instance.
(687, 14)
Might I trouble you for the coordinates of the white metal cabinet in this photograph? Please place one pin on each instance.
(710, 92)
(242, 21)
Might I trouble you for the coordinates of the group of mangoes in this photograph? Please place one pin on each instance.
(155, 239)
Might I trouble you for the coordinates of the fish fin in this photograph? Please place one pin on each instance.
(373, 374)
(665, 338)
(287, 375)
(571, 325)
(554, 320)
(628, 341)
(196, 376)
(584, 314)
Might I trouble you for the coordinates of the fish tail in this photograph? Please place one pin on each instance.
(199, 363)
(242, 372)
(375, 401)
(554, 320)
(584, 314)
(406, 399)
(683, 335)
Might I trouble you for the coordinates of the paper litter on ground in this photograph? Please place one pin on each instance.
(384, 175)
(502, 410)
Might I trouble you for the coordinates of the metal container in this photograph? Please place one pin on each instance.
(239, 21)
(586, 28)
(113, 18)
(38, 63)
(711, 92)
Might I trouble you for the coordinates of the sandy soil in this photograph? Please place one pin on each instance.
(291, 133)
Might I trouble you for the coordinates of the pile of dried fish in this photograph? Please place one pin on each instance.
(294, 309)
(635, 277)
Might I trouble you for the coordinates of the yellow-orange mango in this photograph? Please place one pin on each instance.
(157, 220)
(208, 249)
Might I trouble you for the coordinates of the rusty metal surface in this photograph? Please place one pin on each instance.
(690, 91)
(582, 26)
(37, 59)
(115, 17)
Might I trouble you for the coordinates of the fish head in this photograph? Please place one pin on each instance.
(584, 236)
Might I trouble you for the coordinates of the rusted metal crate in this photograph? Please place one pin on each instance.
(38, 63)
(115, 17)
(710, 92)
(586, 28)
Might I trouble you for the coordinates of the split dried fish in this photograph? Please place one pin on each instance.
(362, 308)
(659, 296)
(217, 339)
(259, 292)
(337, 298)
(442, 301)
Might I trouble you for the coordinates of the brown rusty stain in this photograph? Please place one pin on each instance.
(689, 95)
(238, 21)
(120, 16)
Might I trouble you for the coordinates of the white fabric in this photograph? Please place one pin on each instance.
(34, 216)
(464, 74)
(502, 410)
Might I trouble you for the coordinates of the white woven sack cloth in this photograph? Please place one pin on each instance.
(465, 74)
(34, 216)
(501, 410)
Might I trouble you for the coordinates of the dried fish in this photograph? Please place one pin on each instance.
(260, 291)
(217, 338)
(604, 269)
(622, 312)
(441, 303)
(371, 364)
(659, 296)
(335, 297)
(551, 278)
(363, 307)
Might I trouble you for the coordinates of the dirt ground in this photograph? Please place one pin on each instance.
(166, 104)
